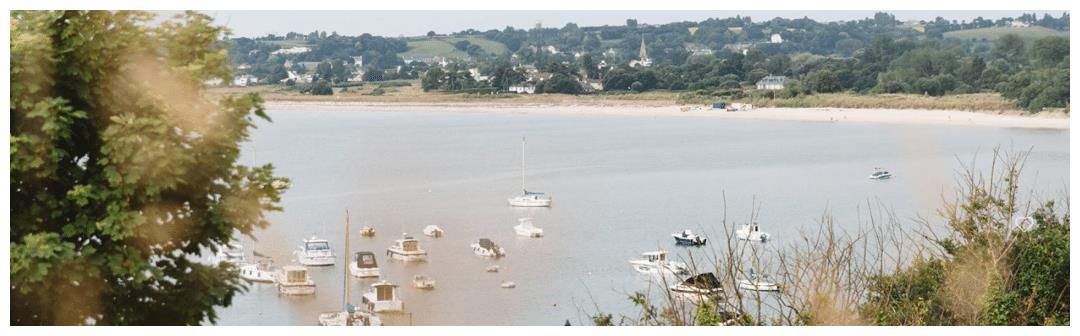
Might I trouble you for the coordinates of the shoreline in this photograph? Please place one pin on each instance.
(1045, 120)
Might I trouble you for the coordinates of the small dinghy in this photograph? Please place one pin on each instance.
(758, 282)
(525, 228)
(433, 231)
(487, 248)
(657, 263)
(508, 284)
(492, 269)
(406, 249)
(367, 231)
(688, 238)
(880, 174)
(752, 232)
(421, 281)
(699, 288)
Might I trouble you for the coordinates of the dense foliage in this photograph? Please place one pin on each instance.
(122, 172)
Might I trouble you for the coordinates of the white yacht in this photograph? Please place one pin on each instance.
(383, 297)
(487, 248)
(364, 265)
(433, 231)
(880, 174)
(258, 272)
(406, 249)
(295, 280)
(698, 288)
(752, 232)
(315, 252)
(526, 228)
(528, 198)
(421, 281)
(758, 282)
(656, 262)
(688, 237)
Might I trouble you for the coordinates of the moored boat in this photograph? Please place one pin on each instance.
(687, 237)
(758, 282)
(657, 263)
(406, 249)
(383, 297)
(421, 281)
(487, 248)
(258, 272)
(752, 232)
(433, 231)
(364, 265)
(315, 252)
(525, 228)
(698, 288)
(880, 174)
(294, 280)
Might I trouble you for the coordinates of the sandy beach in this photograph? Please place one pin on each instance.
(1055, 120)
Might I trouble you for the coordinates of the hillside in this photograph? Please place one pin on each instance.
(993, 33)
(444, 46)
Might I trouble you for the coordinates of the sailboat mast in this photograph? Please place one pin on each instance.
(345, 272)
(523, 164)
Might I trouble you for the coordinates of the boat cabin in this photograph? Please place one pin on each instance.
(409, 244)
(295, 274)
(316, 245)
(365, 260)
(655, 256)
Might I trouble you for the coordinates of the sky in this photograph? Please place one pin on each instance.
(414, 23)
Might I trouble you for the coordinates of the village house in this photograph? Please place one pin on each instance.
(475, 74)
(776, 38)
(359, 61)
(244, 80)
(771, 83)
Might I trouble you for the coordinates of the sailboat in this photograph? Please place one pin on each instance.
(349, 316)
(528, 198)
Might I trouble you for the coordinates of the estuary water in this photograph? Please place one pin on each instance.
(621, 186)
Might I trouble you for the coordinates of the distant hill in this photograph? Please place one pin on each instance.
(993, 33)
(423, 47)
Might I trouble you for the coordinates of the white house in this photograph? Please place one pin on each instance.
(244, 80)
(1018, 24)
(290, 51)
(522, 88)
(771, 83)
(776, 38)
(359, 61)
(475, 73)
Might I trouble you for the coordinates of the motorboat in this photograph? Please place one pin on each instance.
(232, 253)
(367, 231)
(406, 249)
(528, 198)
(508, 284)
(752, 232)
(758, 282)
(880, 174)
(258, 272)
(688, 238)
(295, 280)
(433, 231)
(526, 228)
(383, 297)
(421, 281)
(349, 318)
(656, 262)
(315, 252)
(364, 265)
(487, 248)
(492, 269)
(698, 288)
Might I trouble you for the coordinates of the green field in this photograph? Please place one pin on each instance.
(1026, 33)
(444, 46)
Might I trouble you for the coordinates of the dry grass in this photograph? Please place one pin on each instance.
(991, 102)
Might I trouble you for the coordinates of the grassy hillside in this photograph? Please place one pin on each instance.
(993, 33)
(444, 46)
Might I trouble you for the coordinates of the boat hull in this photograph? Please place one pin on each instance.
(529, 233)
(758, 286)
(689, 241)
(406, 256)
(296, 289)
(357, 272)
(518, 202)
(253, 274)
(315, 260)
(382, 306)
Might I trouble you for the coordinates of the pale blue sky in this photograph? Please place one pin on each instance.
(412, 23)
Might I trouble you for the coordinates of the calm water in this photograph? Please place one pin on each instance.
(621, 186)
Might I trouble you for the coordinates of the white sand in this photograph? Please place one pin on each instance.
(890, 116)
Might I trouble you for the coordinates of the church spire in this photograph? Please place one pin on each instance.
(642, 55)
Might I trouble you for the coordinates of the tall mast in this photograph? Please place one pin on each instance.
(345, 276)
(523, 164)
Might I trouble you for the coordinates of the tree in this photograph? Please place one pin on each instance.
(433, 79)
(324, 71)
(123, 172)
(322, 88)
(1049, 51)
(431, 33)
(1009, 47)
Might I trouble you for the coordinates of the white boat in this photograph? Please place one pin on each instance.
(364, 265)
(383, 297)
(367, 231)
(492, 269)
(423, 282)
(526, 228)
(294, 280)
(433, 231)
(687, 237)
(315, 252)
(698, 288)
(657, 263)
(349, 316)
(528, 198)
(487, 248)
(880, 174)
(508, 284)
(752, 232)
(406, 249)
(231, 253)
(258, 272)
(758, 282)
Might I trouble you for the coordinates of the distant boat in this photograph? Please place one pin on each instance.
(657, 263)
(295, 280)
(367, 231)
(487, 248)
(752, 232)
(383, 297)
(364, 265)
(758, 282)
(492, 268)
(406, 249)
(526, 228)
(433, 231)
(880, 174)
(699, 288)
(528, 198)
(423, 282)
(258, 272)
(688, 238)
(508, 284)
(315, 252)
